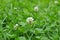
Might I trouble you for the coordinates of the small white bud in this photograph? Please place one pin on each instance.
(36, 9)
(29, 20)
(16, 26)
(56, 2)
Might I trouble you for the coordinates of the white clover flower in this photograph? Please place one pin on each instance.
(36, 9)
(16, 26)
(29, 20)
(56, 2)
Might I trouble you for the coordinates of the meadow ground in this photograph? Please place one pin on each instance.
(29, 19)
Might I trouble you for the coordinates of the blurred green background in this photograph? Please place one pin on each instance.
(46, 24)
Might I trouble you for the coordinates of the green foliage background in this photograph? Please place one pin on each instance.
(46, 20)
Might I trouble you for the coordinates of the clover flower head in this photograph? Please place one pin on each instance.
(36, 9)
(29, 20)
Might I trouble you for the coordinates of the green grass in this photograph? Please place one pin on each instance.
(46, 20)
